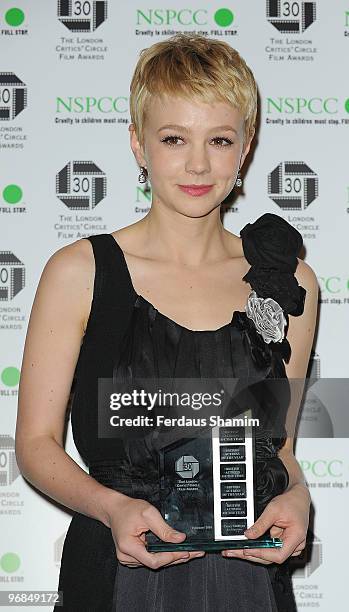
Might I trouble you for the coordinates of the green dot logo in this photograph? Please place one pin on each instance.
(346, 105)
(10, 376)
(12, 194)
(14, 17)
(9, 562)
(224, 17)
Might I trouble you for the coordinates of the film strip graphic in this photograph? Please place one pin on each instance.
(8, 469)
(81, 185)
(13, 96)
(292, 185)
(291, 17)
(82, 16)
(12, 275)
(233, 480)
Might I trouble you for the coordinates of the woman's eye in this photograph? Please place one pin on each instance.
(169, 140)
(227, 140)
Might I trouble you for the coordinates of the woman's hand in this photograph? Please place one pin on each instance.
(287, 516)
(129, 520)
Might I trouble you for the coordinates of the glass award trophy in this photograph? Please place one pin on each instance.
(208, 491)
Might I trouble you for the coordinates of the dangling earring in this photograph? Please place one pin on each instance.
(238, 182)
(143, 176)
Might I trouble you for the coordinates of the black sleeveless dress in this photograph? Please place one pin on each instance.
(126, 336)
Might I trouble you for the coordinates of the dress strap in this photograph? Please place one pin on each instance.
(112, 287)
(98, 247)
(120, 261)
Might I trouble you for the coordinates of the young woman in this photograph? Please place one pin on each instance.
(170, 295)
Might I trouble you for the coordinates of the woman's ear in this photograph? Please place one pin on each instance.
(246, 150)
(135, 146)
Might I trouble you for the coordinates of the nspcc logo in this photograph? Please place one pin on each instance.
(13, 96)
(292, 185)
(81, 185)
(223, 17)
(197, 18)
(291, 17)
(82, 15)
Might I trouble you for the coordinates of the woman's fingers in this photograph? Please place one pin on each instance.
(131, 544)
(130, 561)
(193, 555)
(157, 524)
(126, 559)
(136, 549)
(291, 545)
(299, 549)
(264, 522)
(240, 554)
(276, 532)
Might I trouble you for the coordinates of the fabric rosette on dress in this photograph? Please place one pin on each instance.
(271, 246)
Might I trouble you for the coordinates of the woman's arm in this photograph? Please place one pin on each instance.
(300, 335)
(287, 515)
(51, 350)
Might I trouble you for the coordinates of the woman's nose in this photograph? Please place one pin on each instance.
(198, 160)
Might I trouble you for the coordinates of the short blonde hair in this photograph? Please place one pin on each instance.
(193, 66)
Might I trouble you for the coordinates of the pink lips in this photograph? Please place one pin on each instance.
(195, 190)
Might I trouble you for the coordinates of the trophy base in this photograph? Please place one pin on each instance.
(211, 546)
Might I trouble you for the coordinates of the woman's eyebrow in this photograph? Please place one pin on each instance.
(185, 129)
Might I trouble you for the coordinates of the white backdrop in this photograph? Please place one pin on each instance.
(67, 171)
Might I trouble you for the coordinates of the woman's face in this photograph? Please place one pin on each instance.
(204, 146)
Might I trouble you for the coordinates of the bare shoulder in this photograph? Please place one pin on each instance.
(72, 263)
(306, 277)
(77, 253)
(302, 328)
(70, 270)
